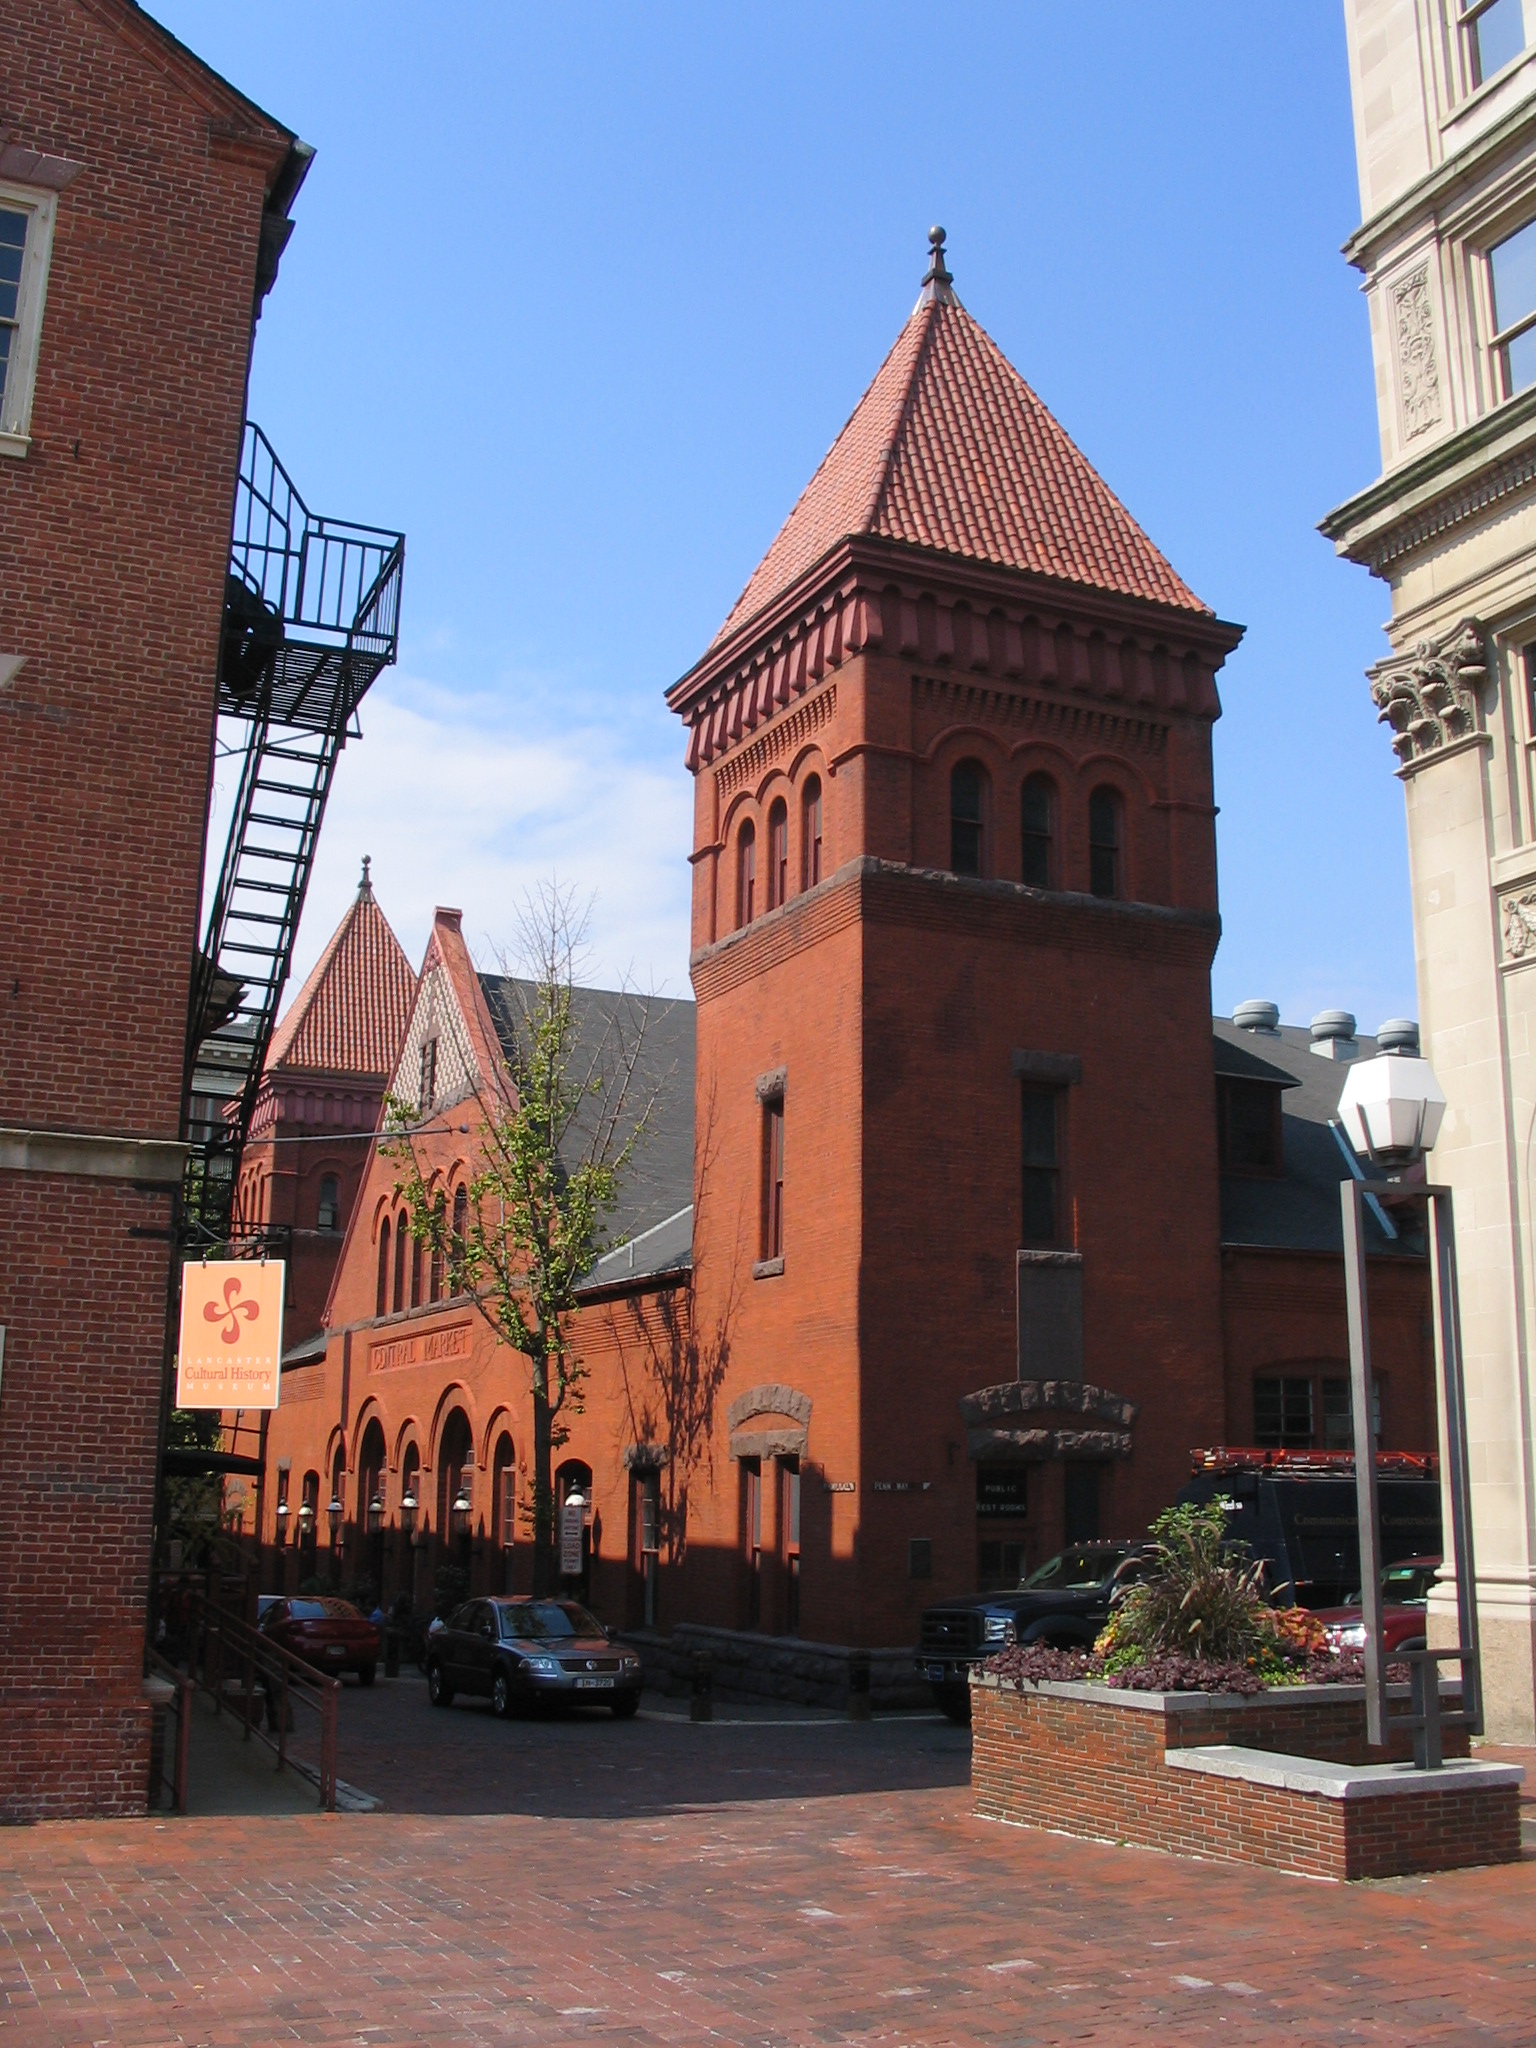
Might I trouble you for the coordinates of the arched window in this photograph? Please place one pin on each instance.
(746, 873)
(435, 1277)
(415, 1272)
(778, 852)
(455, 1477)
(328, 1214)
(402, 1238)
(810, 834)
(460, 1222)
(381, 1306)
(370, 1474)
(503, 1493)
(967, 789)
(1106, 863)
(1037, 814)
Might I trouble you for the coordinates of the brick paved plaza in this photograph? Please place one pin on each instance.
(754, 1882)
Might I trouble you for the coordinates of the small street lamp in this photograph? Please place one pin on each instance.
(408, 1505)
(282, 1523)
(1392, 1108)
(333, 1515)
(461, 1512)
(375, 1515)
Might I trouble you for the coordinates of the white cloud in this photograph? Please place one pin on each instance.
(470, 798)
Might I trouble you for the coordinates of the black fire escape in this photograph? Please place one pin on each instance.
(311, 616)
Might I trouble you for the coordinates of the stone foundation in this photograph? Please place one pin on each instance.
(748, 1666)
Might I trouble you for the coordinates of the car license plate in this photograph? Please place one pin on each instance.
(935, 1674)
(594, 1685)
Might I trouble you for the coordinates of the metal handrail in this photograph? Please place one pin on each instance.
(184, 1688)
(226, 1646)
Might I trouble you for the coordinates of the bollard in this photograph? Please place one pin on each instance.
(391, 1651)
(701, 1707)
(858, 1685)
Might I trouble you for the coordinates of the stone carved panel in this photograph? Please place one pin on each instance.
(1418, 372)
(1520, 926)
(1430, 697)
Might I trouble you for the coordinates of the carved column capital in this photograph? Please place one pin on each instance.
(1429, 697)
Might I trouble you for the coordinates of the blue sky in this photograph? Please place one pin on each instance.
(579, 296)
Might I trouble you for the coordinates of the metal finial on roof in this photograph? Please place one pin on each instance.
(365, 886)
(937, 280)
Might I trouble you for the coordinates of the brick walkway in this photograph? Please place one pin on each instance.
(870, 1914)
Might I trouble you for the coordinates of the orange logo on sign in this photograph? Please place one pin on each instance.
(229, 1315)
(231, 1334)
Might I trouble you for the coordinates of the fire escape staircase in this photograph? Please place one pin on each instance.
(311, 617)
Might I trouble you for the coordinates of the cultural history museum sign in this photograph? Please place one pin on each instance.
(230, 1355)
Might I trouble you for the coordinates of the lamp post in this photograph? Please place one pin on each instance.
(1391, 1108)
(408, 1507)
(459, 1515)
(376, 1541)
(333, 1514)
(306, 1534)
(280, 1541)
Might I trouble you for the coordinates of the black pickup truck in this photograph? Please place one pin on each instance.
(1064, 1603)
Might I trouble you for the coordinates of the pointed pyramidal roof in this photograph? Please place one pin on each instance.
(349, 1015)
(950, 449)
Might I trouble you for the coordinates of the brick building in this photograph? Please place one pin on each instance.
(962, 1225)
(319, 1103)
(143, 206)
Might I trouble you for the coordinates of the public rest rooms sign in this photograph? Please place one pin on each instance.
(230, 1354)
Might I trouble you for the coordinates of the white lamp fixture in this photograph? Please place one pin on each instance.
(1392, 1105)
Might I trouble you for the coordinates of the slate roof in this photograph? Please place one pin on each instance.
(349, 1016)
(950, 449)
(653, 1210)
(1300, 1210)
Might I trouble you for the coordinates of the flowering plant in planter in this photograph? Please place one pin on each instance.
(1198, 1622)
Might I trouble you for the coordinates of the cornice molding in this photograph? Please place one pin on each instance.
(1449, 484)
(91, 1155)
(882, 597)
(1446, 181)
(1430, 698)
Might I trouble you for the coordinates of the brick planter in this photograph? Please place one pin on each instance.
(1093, 1761)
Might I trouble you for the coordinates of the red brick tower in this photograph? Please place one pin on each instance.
(318, 1105)
(953, 918)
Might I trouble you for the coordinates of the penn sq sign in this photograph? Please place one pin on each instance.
(230, 1352)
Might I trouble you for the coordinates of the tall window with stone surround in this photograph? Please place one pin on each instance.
(1106, 855)
(778, 853)
(1494, 33)
(1037, 815)
(810, 834)
(967, 801)
(746, 873)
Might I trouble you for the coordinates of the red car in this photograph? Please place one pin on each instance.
(330, 1634)
(1404, 1595)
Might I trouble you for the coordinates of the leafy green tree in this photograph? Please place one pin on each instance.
(559, 1128)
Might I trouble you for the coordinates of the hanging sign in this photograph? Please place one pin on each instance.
(572, 1521)
(230, 1354)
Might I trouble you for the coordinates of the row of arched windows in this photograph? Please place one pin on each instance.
(971, 853)
(756, 893)
(406, 1262)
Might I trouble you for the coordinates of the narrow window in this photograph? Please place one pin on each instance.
(1042, 1170)
(810, 834)
(1104, 850)
(789, 1539)
(428, 1075)
(773, 1178)
(778, 853)
(460, 1221)
(966, 784)
(415, 1272)
(26, 237)
(752, 1537)
(1495, 33)
(381, 1306)
(746, 874)
(435, 1278)
(1037, 807)
(1512, 282)
(1248, 1126)
(328, 1215)
(402, 1238)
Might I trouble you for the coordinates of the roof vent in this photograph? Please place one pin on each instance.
(1399, 1035)
(1261, 1018)
(1333, 1035)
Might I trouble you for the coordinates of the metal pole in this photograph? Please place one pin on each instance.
(1458, 1477)
(1351, 1194)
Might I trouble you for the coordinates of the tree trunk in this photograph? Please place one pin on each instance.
(543, 1491)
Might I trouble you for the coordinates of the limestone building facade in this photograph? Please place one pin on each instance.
(1444, 98)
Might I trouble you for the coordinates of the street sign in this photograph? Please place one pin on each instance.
(230, 1353)
(572, 1521)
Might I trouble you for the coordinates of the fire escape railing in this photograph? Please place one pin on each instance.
(311, 617)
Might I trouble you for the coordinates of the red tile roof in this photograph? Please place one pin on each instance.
(349, 1016)
(950, 449)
